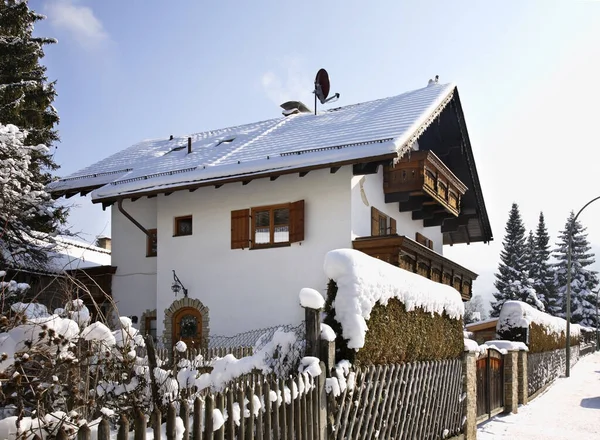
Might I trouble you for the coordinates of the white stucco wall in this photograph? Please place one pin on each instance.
(367, 191)
(250, 289)
(134, 283)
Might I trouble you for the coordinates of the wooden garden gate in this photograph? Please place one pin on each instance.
(490, 384)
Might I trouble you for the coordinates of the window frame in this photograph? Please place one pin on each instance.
(177, 221)
(271, 209)
(149, 252)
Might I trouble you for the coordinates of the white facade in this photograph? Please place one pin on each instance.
(244, 289)
(367, 191)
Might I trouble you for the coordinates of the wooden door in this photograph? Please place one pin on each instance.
(187, 327)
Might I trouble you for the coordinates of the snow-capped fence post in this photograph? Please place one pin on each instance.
(511, 382)
(313, 302)
(470, 395)
(523, 386)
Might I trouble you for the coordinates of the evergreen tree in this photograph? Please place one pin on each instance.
(530, 254)
(542, 271)
(26, 99)
(583, 279)
(474, 310)
(512, 280)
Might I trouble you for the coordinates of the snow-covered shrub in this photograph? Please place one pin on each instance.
(542, 332)
(383, 314)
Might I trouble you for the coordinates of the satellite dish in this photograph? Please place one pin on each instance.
(322, 87)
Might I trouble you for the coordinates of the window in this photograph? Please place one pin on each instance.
(150, 326)
(267, 226)
(381, 224)
(183, 226)
(420, 238)
(151, 243)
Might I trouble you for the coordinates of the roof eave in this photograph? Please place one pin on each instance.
(242, 178)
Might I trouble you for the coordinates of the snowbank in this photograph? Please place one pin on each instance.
(364, 281)
(519, 314)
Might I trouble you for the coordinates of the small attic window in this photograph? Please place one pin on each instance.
(225, 140)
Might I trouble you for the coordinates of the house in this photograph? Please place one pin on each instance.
(215, 233)
(75, 269)
(483, 330)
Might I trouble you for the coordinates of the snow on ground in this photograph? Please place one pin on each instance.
(569, 409)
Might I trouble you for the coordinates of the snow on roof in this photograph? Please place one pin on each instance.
(386, 126)
(69, 254)
(364, 281)
(520, 314)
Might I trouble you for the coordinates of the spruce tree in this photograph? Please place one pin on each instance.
(512, 280)
(583, 279)
(26, 98)
(542, 271)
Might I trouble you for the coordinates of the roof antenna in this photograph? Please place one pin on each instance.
(322, 88)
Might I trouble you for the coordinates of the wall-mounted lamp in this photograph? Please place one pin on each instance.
(176, 287)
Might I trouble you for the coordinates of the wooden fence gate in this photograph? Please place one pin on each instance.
(490, 384)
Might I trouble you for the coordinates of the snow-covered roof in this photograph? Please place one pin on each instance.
(67, 254)
(383, 128)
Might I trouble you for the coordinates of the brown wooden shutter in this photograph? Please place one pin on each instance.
(240, 229)
(392, 225)
(374, 221)
(297, 221)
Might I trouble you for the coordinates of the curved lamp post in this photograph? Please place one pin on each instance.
(568, 366)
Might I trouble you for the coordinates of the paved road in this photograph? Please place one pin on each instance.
(569, 409)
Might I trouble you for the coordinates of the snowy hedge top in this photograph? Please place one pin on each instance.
(364, 281)
(520, 314)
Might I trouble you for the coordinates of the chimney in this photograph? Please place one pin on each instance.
(104, 243)
(171, 137)
(189, 145)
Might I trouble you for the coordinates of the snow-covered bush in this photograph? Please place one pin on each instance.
(521, 322)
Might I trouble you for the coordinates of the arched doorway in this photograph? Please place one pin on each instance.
(187, 327)
(187, 319)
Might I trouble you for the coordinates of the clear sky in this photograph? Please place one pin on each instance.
(527, 73)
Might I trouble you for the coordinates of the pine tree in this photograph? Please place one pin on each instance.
(542, 271)
(583, 279)
(26, 99)
(512, 280)
(21, 197)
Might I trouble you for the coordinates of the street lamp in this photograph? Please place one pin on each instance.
(177, 286)
(570, 233)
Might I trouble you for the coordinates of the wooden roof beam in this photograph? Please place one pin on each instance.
(412, 204)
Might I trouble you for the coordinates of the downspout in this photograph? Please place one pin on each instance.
(131, 219)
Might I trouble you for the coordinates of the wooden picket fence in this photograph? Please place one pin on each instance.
(408, 401)
(293, 418)
(192, 353)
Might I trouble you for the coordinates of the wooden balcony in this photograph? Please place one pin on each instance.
(403, 252)
(423, 184)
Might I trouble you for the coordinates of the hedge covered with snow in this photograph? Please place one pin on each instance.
(384, 314)
(546, 332)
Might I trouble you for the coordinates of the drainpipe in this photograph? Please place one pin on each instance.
(131, 219)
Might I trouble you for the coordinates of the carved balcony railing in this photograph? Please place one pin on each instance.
(407, 254)
(420, 181)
